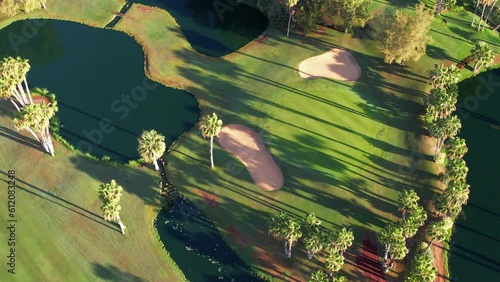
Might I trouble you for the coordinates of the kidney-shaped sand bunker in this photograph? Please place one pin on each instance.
(247, 146)
(335, 64)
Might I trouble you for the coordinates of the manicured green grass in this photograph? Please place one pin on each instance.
(346, 150)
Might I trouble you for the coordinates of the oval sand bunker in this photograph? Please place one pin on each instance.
(247, 146)
(335, 64)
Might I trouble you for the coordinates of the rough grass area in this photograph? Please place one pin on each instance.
(346, 150)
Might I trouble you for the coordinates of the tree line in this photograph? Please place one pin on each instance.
(10, 8)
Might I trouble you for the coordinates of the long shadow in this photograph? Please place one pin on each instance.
(54, 199)
(476, 258)
(461, 226)
(114, 274)
(19, 138)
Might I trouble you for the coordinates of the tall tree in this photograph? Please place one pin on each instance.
(483, 55)
(422, 268)
(394, 244)
(311, 224)
(441, 103)
(319, 276)
(110, 194)
(451, 201)
(353, 11)
(210, 127)
(290, 5)
(35, 118)
(13, 81)
(404, 36)
(151, 146)
(311, 12)
(415, 219)
(492, 6)
(456, 148)
(475, 11)
(314, 243)
(286, 227)
(442, 129)
(334, 262)
(439, 230)
(441, 76)
(456, 170)
(407, 201)
(485, 4)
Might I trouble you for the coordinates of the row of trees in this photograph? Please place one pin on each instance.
(309, 13)
(32, 117)
(482, 19)
(11, 7)
(334, 244)
(393, 236)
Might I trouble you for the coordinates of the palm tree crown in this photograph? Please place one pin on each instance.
(151, 146)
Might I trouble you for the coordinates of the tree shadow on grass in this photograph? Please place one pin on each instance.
(114, 274)
(135, 181)
(19, 138)
(45, 195)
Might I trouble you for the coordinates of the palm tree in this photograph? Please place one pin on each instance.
(35, 118)
(483, 55)
(415, 219)
(339, 278)
(12, 75)
(485, 4)
(456, 170)
(345, 238)
(311, 223)
(151, 146)
(422, 268)
(319, 276)
(450, 202)
(475, 11)
(286, 227)
(314, 243)
(334, 262)
(407, 201)
(439, 230)
(456, 148)
(110, 194)
(444, 128)
(211, 126)
(442, 76)
(489, 13)
(290, 4)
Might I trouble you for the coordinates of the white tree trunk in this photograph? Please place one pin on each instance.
(475, 13)
(28, 90)
(33, 133)
(45, 142)
(23, 94)
(289, 248)
(155, 162)
(211, 151)
(44, 6)
(18, 97)
(122, 227)
(289, 22)
(309, 254)
(496, 27)
(15, 105)
(481, 18)
(49, 140)
(488, 16)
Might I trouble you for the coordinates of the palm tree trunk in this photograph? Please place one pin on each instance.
(18, 97)
(488, 16)
(155, 162)
(122, 227)
(45, 143)
(475, 13)
(439, 7)
(496, 27)
(211, 151)
(15, 105)
(289, 22)
(286, 248)
(482, 15)
(439, 145)
(49, 140)
(386, 254)
(309, 254)
(475, 65)
(33, 133)
(28, 90)
(430, 244)
(44, 6)
(23, 94)
(290, 248)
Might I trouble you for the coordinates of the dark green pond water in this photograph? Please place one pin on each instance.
(197, 247)
(214, 27)
(105, 100)
(475, 248)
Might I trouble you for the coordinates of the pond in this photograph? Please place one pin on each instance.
(197, 247)
(105, 100)
(475, 248)
(214, 27)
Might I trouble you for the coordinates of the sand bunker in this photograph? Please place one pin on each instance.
(247, 146)
(336, 64)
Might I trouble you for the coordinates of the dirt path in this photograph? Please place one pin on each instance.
(336, 64)
(368, 262)
(247, 146)
(437, 251)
